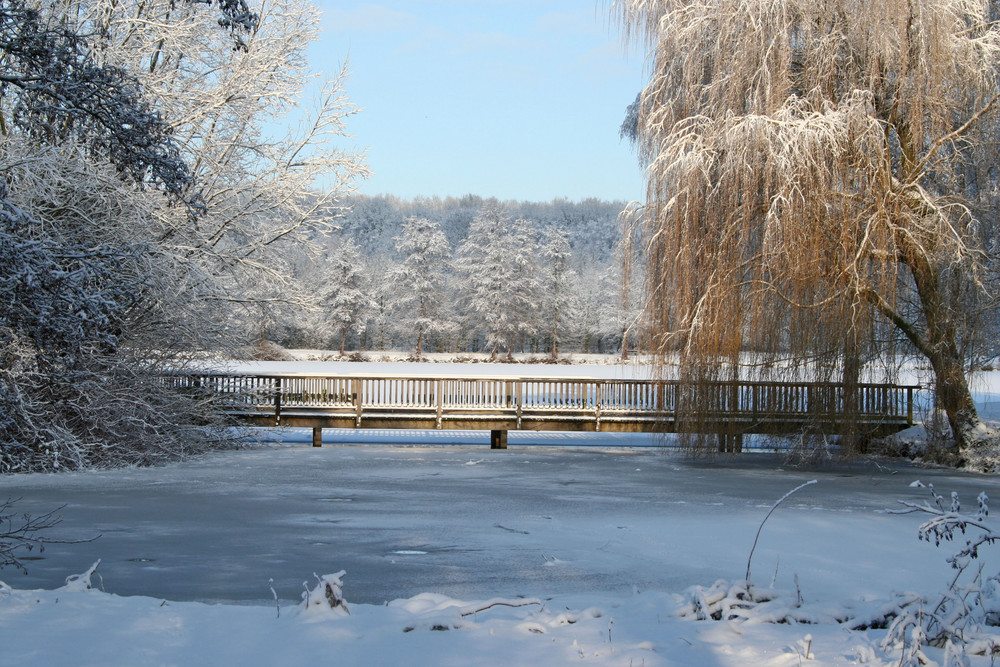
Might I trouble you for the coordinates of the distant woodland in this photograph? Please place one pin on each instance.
(462, 275)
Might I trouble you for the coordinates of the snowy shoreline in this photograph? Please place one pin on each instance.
(607, 540)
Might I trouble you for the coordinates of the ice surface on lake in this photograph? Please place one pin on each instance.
(219, 527)
(593, 542)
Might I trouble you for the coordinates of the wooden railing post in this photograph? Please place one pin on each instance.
(439, 399)
(277, 401)
(356, 389)
(519, 398)
(598, 401)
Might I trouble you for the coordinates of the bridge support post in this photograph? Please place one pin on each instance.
(498, 439)
(730, 443)
(317, 437)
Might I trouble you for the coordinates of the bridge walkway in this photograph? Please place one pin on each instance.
(505, 403)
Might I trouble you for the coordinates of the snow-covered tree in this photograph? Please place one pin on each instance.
(558, 302)
(133, 204)
(816, 169)
(420, 279)
(347, 302)
(258, 190)
(498, 278)
(527, 307)
(54, 91)
(79, 147)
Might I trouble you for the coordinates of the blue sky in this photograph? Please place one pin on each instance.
(515, 99)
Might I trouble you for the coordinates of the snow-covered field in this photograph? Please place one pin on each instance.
(458, 555)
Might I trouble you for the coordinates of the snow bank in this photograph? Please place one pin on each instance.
(79, 626)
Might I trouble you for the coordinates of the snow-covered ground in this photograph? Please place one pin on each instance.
(458, 555)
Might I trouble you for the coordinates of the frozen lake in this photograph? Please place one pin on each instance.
(473, 523)
(449, 515)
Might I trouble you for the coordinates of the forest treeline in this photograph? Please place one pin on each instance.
(466, 274)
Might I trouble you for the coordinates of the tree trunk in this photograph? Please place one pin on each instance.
(951, 389)
(343, 341)
(850, 442)
(951, 393)
(420, 331)
(939, 343)
(555, 335)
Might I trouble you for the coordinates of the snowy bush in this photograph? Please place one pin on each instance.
(958, 619)
(326, 595)
(80, 583)
(72, 394)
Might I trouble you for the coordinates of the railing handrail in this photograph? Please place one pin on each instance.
(574, 393)
(533, 378)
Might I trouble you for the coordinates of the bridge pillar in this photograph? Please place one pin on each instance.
(317, 437)
(730, 443)
(498, 439)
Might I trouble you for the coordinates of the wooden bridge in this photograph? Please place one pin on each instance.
(506, 403)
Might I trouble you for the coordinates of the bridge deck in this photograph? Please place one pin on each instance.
(507, 403)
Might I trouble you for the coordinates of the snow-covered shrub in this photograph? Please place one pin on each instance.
(327, 595)
(961, 621)
(734, 601)
(958, 619)
(71, 395)
(264, 350)
(80, 583)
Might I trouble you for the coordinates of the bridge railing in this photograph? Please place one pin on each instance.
(526, 397)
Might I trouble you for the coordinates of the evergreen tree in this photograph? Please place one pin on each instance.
(558, 302)
(526, 302)
(493, 262)
(347, 302)
(420, 280)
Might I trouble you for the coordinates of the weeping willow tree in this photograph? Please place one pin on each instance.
(822, 179)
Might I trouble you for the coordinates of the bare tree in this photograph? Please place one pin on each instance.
(140, 190)
(817, 170)
(263, 181)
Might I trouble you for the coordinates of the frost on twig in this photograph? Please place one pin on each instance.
(22, 531)
(470, 610)
(958, 618)
(946, 524)
(767, 516)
